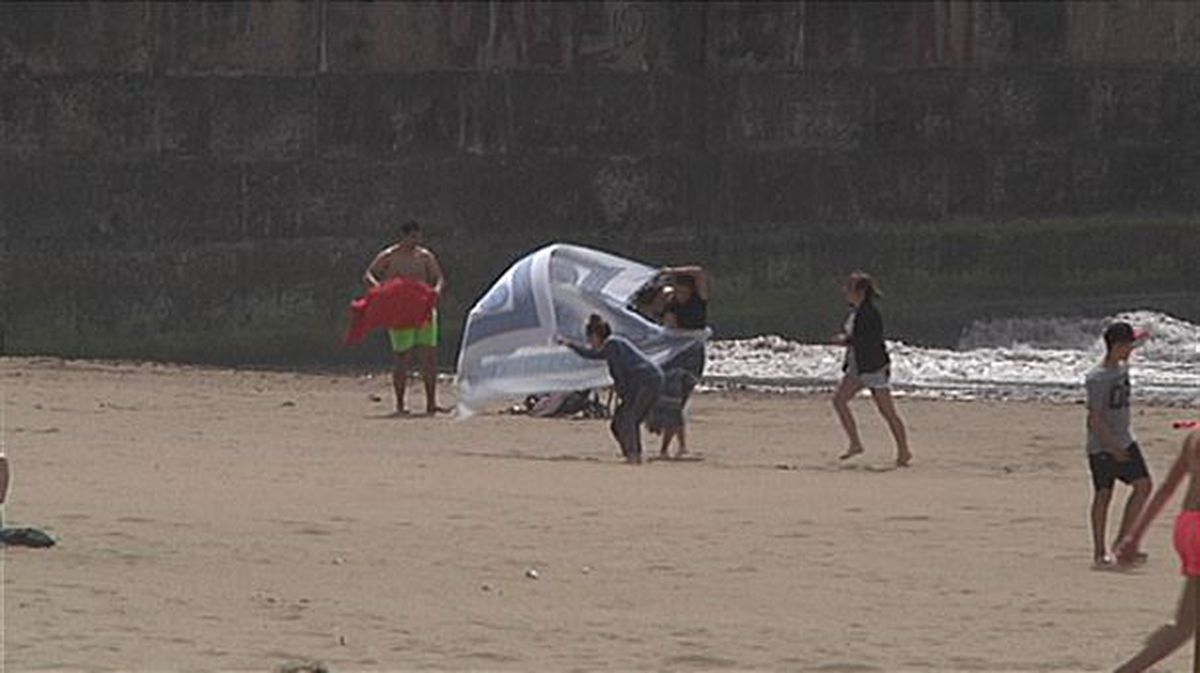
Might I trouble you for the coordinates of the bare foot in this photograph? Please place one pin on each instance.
(851, 452)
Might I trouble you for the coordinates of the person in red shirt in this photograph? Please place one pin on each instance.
(1170, 637)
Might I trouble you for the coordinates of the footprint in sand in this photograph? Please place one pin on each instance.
(36, 431)
(914, 517)
(493, 657)
(1027, 519)
(699, 661)
(296, 664)
(134, 519)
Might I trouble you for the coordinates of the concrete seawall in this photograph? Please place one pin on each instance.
(206, 181)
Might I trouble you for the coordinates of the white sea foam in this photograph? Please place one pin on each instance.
(1014, 358)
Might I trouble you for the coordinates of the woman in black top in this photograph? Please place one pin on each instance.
(867, 365)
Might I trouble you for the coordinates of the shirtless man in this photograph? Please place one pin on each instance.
(408, 259)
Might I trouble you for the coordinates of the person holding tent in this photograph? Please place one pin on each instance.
(408, 258)
(636, 379)
(686, 307)
(1170, 637)
(687, 301)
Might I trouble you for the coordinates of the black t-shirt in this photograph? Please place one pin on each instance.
(692, 314)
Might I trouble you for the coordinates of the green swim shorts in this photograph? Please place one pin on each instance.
(403, 340)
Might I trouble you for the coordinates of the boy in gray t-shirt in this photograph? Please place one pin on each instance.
(1113, 453)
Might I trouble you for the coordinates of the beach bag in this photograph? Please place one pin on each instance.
(547, 406)
(579, 403)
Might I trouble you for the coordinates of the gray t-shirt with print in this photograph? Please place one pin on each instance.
(1108, 392)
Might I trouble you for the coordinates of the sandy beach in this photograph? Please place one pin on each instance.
(217, 519)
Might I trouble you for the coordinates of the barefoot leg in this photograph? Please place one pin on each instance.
(1100, 501)
(887, 407)
(1133, 506)
(682, 434)
(429, 377)
(1170, 637)
(400, 365)
(845, 392)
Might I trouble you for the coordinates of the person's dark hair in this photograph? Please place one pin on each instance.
(863, 282)
(687, 281)
(410, 227)
(646, 294)
(597, 326)
(1119, 333)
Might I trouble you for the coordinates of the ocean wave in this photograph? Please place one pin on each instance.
(1028, 358)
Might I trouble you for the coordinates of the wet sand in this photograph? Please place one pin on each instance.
(216, 519)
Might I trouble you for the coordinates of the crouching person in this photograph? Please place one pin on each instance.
(637, 380)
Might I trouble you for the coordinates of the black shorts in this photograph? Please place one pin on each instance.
(1106, 469)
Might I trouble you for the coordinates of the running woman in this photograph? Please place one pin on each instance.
(866, 365)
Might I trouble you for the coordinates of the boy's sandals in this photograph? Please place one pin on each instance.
(1139, 559)
(1108, 562)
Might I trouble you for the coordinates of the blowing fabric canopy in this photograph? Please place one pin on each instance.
(508, 346)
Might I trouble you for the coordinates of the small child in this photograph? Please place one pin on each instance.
(1113, 453)
(638, 382)
(1169, 637)
(681, 374)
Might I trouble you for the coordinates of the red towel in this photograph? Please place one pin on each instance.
(395, 304)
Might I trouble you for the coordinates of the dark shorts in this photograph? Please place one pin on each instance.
(1106, 469)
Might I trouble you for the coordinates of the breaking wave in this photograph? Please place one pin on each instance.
(1017, 358)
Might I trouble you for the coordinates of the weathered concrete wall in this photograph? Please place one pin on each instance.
(205, 181)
